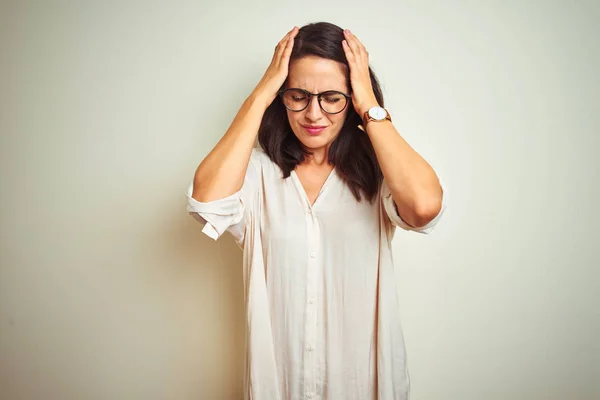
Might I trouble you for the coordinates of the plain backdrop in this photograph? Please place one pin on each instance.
(108, 288)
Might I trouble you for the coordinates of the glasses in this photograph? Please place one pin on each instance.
(331, 101)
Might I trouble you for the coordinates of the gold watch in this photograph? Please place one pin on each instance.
(376, 114)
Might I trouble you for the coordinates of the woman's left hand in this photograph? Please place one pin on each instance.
(363, 96)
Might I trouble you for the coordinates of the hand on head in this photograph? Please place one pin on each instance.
(277, 72)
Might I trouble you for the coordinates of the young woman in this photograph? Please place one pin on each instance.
(314, 209)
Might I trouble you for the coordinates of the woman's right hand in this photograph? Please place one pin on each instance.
(277, 72)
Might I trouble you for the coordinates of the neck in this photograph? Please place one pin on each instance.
(319, 157)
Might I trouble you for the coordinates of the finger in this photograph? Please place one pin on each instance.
(284, 40)
(287, 35)
(280, 44)
(348, 51)
(358, 42)
(360, 52)
(283, 43)
(286, 51)
(351, 57)
(351, 40)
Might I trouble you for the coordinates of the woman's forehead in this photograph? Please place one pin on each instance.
(317, 74)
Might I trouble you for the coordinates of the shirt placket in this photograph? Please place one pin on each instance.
(310, 329)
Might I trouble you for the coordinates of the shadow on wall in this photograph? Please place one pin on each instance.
(208, 285)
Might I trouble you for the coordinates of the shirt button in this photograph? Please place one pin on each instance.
(311, 301)
(309, 348)
(312, 255)
(309, 395)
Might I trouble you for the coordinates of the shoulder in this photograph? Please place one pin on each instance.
(264, 166)
(259, 155)
(260, 160)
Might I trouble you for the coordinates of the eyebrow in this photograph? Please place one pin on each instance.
(324, 91)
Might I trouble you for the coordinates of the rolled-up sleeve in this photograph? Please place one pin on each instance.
(392, 211)
(228, 214)
(218, 216)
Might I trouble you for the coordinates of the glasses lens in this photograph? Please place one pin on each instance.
(333, 102)
(295, 100)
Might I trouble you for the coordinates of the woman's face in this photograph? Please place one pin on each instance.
(315, 128)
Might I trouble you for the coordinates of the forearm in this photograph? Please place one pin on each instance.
(222, 171)
(414, 184)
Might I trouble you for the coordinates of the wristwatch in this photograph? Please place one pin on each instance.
(376, 114)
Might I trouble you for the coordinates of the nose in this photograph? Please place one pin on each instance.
(313, 111)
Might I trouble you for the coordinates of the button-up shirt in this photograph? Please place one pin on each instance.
(323, 319)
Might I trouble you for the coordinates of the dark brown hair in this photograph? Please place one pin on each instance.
(351, 152)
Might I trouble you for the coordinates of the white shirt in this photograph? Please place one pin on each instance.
(322, 307)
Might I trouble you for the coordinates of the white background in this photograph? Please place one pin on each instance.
(109, 290)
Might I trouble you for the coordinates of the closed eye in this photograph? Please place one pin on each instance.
(332, 99)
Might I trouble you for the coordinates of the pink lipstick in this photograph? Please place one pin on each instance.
(313, 130)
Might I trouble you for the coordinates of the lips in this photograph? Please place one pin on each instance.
(313, 129)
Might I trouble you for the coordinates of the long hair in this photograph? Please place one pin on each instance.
(351, 152)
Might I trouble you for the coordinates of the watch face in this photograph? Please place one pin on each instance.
(377, 113)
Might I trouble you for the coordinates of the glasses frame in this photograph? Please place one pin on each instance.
(318, 96)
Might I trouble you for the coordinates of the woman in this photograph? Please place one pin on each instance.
(315, 209)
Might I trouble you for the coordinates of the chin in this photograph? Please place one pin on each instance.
(312, 142)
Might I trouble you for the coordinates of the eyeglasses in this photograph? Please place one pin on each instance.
(331, 101)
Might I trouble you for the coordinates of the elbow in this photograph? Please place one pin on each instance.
(203, 192)
(198, 192)
(204, 189)
(423, 210)
(426, 210)
(424, 215)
